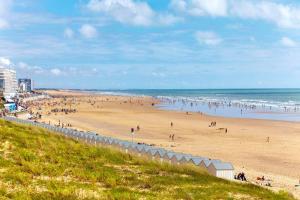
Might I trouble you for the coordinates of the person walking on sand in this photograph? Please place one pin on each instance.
(171, 124)
(132, 133)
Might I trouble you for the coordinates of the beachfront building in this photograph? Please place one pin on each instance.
(177, 158)
(168, 156)
(159, 155)
(205, 163)
(8, 82)
(24, 85)
(196, 160)
(221, 170)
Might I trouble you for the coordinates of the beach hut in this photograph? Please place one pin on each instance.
(168, 156)
(139, 148)
(125, 146)
(106, 141)
(221, 169)
(132, 147)
(205, 163)
(151, 153)
(119, 145)
(145, 150)
(99, 139)
(197, 160)
(186, 158)
(94, 141)
(177, 158)
(159, 155)
(115, 143)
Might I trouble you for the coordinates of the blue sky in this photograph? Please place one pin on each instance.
(121, 44)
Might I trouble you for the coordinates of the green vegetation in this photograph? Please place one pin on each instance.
(37, 164)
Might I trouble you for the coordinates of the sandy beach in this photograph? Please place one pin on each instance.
(256, 147)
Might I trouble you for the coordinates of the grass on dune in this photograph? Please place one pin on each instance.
(37, 164)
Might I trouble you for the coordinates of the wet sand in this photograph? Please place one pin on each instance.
(245, 144)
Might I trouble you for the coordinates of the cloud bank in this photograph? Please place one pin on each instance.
(283, 15)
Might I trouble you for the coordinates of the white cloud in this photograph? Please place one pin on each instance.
(208, 38)
(27, 69)
(6, 62)
(124, 11)
(68, 33)
(5, 8)
(56, 71)
(285, 41)
(283, 15)
(131, 12)
(88, 31)
(201, 7)
(168, 19)
(23, 65)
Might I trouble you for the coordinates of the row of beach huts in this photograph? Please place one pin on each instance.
(214, 167)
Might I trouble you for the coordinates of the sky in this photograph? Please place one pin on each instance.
(143, 44)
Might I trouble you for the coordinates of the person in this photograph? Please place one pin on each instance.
(241, 176)
(171, 124)
(226, 130)
(173, 137)
(138, 128)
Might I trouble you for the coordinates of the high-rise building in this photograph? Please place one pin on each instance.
(8, 82)
(24, 84)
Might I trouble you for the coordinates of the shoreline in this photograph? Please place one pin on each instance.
(164, 106)
(160, 105)
(244, 145)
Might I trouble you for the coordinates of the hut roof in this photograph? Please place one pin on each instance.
(197, 160)
(161, 152)
(208, 162)
(179, 156)
(170, 155)
(222, 166)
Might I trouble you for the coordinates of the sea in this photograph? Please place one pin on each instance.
(271, 104)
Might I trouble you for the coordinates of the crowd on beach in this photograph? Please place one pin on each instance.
(244, 107)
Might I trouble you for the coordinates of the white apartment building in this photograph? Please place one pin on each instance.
(8, 82)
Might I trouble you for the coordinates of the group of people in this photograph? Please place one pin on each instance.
(241, 176)
(263, 181)
(172, 137)
(63, 110)
(213, 124)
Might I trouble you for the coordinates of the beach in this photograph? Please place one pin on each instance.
(257, 147)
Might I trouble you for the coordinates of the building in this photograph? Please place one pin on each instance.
(205, 163)
(221, 170)
(24, 85)
(8, 82)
